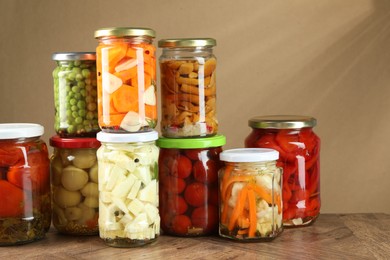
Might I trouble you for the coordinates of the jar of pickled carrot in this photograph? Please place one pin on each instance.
(188, 87)
(74, 182)
(188, 171)
(299, 149)
(25, 204)
(250, 190)
(126, 76)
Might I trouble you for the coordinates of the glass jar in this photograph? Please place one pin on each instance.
(188, 87)
(250, 195)
(128, 189)
(299, 149)
(25, 205)
(75, 94)
(188, 170)
(74, 182)
(126, 66)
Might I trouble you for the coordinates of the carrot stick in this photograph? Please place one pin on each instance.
(262, 193)
(232, 180)
(252, 213)
(242, 232)
(237, 211)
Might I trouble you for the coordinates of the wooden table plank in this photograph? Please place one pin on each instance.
(333, 236)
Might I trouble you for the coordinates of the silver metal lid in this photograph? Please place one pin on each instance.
(74, 56)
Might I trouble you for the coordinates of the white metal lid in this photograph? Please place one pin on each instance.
(249, 155)
(127, 138)
(20, 130)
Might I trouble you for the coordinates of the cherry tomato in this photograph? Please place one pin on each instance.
(176, 204)
(205, 217)
(205, 173)
(10, 155)
(173, 185)
(12, 202)
(193, 154)
(196, 194)
(181, 224)
(181, 167)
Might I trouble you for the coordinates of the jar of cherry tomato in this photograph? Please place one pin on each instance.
(188, 87)
(74, 179)
(25, 204)
(250, 195)
(75, 94)
(299, 149)
(128, 189)
(126, 73)
(188, 170)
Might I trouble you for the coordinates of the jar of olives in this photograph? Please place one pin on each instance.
(188, 170)
(188, 87)
(128, 189)
(74, 179)
(75, 94)
(25, 204)
(126, 66)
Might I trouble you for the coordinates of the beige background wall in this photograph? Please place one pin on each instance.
(327, 58)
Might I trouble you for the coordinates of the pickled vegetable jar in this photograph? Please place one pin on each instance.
(25, 204)
(75, 94)
(126, 66)
(188, 87)
(299, 149)
(250, 190)
(128, 189)
(74, 179)
(188, 170)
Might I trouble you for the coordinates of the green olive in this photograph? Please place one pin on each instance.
(65, 198)
(73, 178)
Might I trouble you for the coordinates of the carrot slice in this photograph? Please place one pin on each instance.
(237, 211)
(114, 54)
(131, 53)
(252, 213)
(125, 99)
(151, 112)
(126, 75)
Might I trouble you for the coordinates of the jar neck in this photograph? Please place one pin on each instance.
(188, 52)
(20, 140)
(245, 165)
(126, 39)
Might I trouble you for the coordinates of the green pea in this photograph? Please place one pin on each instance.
(88, 81)
(88, 128)
(75, 114)
(94, 93)
(89, 115)
(91, 106)
(78, 120)
(77, 63)
(74, 108)
(79, 77)
(77, 96)
(81, 104)
(71, 129)
(88, 99)
(83, 92)
(86, 73)
(82, 112)
(73, 102)
(75, 89)
(71, 76)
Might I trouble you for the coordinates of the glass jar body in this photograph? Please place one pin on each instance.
(75, 98)
(250, 201)
(25, 207)
(128, 193)
(74, 179)
(127, 100)
(188, 92)
(299, 151)
(189, 190)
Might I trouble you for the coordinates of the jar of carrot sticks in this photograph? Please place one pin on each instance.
(250, 194)
(126, 77)
(299, 150)
(188, 87)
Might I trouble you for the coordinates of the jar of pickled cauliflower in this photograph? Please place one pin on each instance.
(75, 94)
(25, 204)
(250, 191)
(128, 189)
(126, 73)
(299, 149)
(74, 179)
(188, 170)
(188, 87)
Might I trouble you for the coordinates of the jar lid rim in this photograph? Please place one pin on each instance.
(59, 56)
(20, 130)
(127, 137)
(124, 31)
(192, 143)
(282, 121)
(187, 42)
(59, 142)
(249, 155)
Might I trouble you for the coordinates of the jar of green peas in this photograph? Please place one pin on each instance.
(75, 94)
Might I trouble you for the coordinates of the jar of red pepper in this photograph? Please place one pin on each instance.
(299, 149)
(188, 172)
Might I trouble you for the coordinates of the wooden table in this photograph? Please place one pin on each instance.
(333, 236)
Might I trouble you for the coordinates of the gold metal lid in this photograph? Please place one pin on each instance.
(282, 122)
(187, 42)
(124, 31)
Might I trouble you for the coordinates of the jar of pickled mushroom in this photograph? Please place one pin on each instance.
(250, 190)
(128, 189)
(299, 150)
(74, 182)
(25, 204)
(188, 170)
(188, 87)
(75, 94)
(126, 66)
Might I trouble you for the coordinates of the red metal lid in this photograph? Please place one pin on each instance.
(59, 142)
